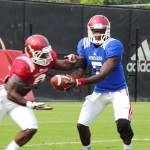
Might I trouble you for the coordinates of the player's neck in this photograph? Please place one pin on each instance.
(97, 45)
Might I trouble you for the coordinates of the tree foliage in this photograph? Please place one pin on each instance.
(122, 2)
(101, 2)
(97, 2)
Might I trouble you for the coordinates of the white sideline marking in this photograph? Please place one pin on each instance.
(101, 141)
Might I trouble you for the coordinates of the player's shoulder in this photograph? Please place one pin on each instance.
(84, 42)
(23, 62)
(112, 42)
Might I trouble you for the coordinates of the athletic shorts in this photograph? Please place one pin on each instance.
(23, 116)
(96, 102)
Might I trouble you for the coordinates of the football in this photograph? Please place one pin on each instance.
(59, 81)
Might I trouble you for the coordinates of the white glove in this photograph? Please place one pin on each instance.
(71, 58)
(33, 104)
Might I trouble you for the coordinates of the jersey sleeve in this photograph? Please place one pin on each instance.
(21, 69)
(114, 49)
(80, 48)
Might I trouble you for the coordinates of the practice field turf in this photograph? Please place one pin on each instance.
(57, 129)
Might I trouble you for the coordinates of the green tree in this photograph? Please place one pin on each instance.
(112, 2)
(122, 2)
(97, 2)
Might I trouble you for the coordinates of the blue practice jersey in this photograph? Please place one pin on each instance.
(96, 57)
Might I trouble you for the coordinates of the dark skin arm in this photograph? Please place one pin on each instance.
(63, 65)
(16, 92)
(78, 73)
(106, 69)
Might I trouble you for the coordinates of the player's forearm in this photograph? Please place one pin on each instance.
(78, 73)
(91, 80)
(17, 98)
(63, 65)
(68, 65)
(94, 79)
(104, 72)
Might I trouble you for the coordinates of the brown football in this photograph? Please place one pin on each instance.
(59, 81)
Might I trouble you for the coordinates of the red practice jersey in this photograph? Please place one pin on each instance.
(30, 72)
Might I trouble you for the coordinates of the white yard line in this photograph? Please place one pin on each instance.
(62, 143)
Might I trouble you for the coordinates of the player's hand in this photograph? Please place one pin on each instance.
(33, 104)
(71, 84)
(71, 58)
(75, 83)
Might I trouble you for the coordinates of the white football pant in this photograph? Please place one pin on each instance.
(23, 116)
(97, 102)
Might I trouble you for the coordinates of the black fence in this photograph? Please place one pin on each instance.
(65, 24)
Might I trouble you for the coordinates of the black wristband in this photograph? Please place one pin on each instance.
(81, 63)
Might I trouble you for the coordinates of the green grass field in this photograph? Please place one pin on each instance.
(57, 129)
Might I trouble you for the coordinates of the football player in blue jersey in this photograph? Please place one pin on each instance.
(104, 55)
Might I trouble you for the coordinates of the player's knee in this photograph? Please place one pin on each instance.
(81, 127)
(125, 130)
(24, 136)
(30, 132)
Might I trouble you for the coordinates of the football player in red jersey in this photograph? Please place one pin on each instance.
(28, 70)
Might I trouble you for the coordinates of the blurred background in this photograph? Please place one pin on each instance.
(64, 23)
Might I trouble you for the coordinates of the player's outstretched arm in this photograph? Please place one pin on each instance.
(67, 64)
(107, 67)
